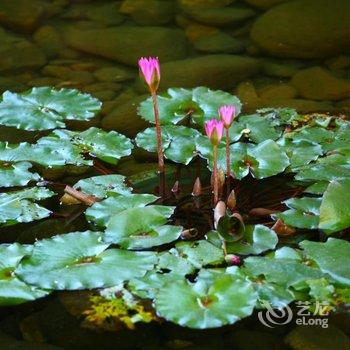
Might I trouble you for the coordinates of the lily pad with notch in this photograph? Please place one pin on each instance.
(139, 228)
(81, 260)
(16, 174)
(101, 212)
(44, 108)
(12, 290)
(222, 301)
(19, 206)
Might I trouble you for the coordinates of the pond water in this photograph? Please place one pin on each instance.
(270, 53)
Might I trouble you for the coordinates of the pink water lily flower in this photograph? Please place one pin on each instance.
(150, 69)
(214, 129)
(227, 114)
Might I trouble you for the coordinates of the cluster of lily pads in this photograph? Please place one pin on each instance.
(133, 244)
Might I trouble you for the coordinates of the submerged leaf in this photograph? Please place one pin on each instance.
(45, 108)
(80, 260)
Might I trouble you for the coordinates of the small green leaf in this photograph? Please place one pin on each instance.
(198, 104)
(178, 142)
(16, 174)
(101, 212)
(45, 108)
(206, 305)
(304, 212)
(334, 210)
(200, 253)
(256, 239)
(12, 290)
(80, 260)
(285, 272)
(137, 228)
(333, 257)
(19, 206)
(254, 128)
(103, 186)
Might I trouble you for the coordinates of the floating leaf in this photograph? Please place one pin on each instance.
(19, 206)
(254, 128)
(176, 263)
(12, 290)
(285, 272)
(200, 253)
(304, 212)
(333, 257)
(206, 305)
(103, 186)
(108, 147)
(300, 153)
(198, 104)
(142, 227)
(178, 142)
(312, 134)
(101, 212)
(16, 174)
(46, 108)
(334, 210)
(81, 260)
(256, 239)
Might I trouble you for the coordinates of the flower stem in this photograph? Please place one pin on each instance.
(228, 155)
(215, 174)
(161, 167)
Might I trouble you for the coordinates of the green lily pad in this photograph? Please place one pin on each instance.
(334, 209)
(103, 186)
(256, 239)
(101, 212)
(285, 272)
(45, 108)
(153, 281)
(178, 142)
(16, 174)
(198, 104)
(312, 134)
(137, 228)
(200, 253)
(304, 212)
(206, 305)
(12, 290)
(20, 206)
(300, 153)
(323, 172)
(71, 145)
(321, 289)
(253, 127)
(174, 262)
(262, 160)
(333, 257)
(80, 260)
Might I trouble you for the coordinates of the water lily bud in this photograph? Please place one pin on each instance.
(150, 69)
(219, 212)
(232, 259)
(197, 188)
(231, 200)
(227, 114)
(214, 129)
